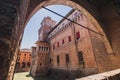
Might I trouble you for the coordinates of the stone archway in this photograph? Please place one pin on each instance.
(95, 10)
(74, 5)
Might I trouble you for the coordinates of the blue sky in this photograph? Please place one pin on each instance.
(31, 31)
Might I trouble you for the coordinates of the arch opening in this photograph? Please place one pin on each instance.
(79, 7)
(91, 21)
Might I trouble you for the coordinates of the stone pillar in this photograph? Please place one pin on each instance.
(5, 57)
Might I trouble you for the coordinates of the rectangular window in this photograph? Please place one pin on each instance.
(58, 44)
(58, 60)
(24, 54)
(77, 35)
(67, 58)
(42, 48)
(50, 60)
(69, 39)
(39, 47)
(63, 41)
(46, 48)
(80, 56)
(53, 46)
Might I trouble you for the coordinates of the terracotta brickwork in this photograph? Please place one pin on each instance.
(23, 61)
(72, 48)
(77, 45)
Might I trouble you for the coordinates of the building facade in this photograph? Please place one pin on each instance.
(23, 61)
(73, 49)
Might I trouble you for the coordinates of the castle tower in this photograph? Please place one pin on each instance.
(46, 25)
(42, 50)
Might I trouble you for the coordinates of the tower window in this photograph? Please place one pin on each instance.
(58, 44)
(24, 54)
(39, 47)
(77, 35)
(69, 39)
(63, 41)
(42, 48)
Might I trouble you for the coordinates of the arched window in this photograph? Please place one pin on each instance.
(23, 65)
(28, 64)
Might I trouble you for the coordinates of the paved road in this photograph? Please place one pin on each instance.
(26, 76)
(22, 76)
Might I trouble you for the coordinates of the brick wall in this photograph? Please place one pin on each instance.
(23, 61)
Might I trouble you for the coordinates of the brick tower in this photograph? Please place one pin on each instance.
(40, 66)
